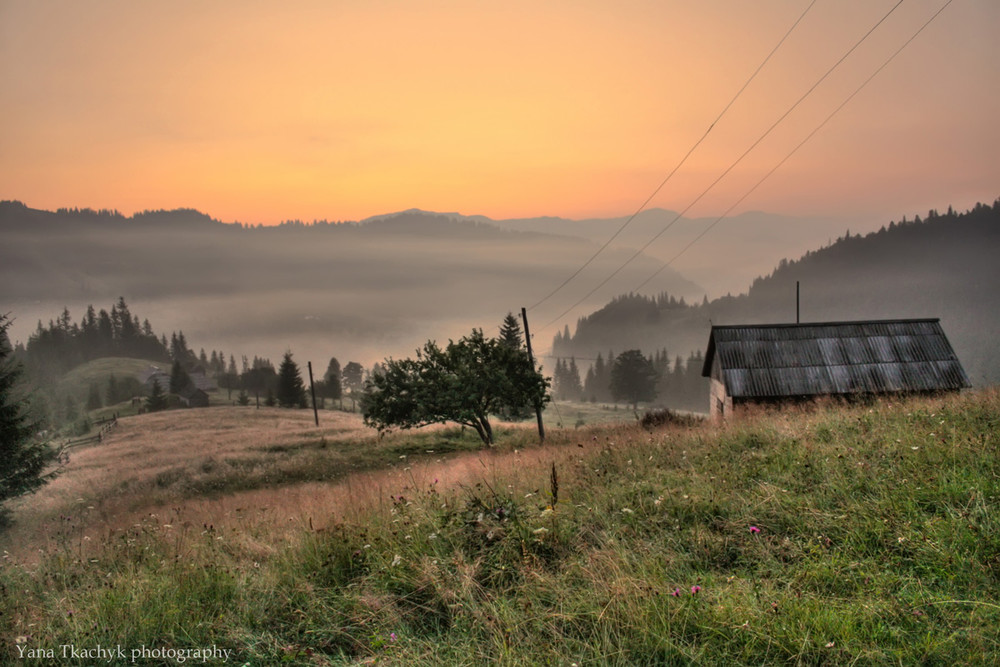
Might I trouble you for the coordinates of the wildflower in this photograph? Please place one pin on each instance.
(695, 589)
(676, 592)
(754, 530)
(830, 645)
(396, 560)
(392, 636)
(21, 640)
(626, 510)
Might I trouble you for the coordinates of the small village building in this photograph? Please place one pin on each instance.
(193, 397)
(771, 363)
(154, 374)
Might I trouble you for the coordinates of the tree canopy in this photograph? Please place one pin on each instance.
(23, 458)
(463, 383)
(633, 378)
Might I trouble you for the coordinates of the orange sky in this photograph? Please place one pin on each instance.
(265, 111)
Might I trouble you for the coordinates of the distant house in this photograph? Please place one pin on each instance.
(792, 362)
(201, 380)
(193, 397)
(155, 374)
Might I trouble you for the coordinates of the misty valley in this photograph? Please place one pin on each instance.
(365, 292)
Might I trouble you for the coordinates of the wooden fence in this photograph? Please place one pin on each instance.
(105, 425)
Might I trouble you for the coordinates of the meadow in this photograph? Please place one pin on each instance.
(862, 534)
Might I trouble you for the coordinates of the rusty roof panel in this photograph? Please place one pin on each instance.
(835, 358)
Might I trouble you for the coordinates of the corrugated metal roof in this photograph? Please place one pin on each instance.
(776, 360)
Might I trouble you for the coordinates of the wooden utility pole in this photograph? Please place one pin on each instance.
(312, 388)
(531, 358)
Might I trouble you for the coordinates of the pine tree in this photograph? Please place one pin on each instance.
(157, 400)
(510, 332)
(111, 397)
(291, 389)
(94, 398)
(179, 378)
(24, 457)
(575, 388)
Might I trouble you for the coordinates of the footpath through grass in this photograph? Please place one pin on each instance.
(858, 535)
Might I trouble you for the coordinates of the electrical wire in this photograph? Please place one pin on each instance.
(729, 168)
(644, 204)
(797, 147)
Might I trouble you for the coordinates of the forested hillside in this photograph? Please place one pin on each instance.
(944, 266)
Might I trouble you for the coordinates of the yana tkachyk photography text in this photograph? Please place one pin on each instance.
(529, 333)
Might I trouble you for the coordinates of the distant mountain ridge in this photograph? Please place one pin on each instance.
(359, 290)
(945, 267)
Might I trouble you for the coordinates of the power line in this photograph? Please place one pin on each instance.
(644, 204)
(797, 147)
(729, 168)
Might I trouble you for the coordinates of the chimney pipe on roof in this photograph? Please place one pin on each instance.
(796, 301)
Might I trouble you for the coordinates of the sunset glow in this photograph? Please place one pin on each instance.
(262, 112)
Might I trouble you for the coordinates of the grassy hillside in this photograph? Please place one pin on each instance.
(862, 535)
(77, 382)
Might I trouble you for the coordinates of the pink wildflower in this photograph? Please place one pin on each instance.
(695, 589)
(676, 593)
(754, 529)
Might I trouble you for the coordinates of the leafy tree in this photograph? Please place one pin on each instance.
(23, 458)
(291, 390)
(332, 387)
(260, 379)
(353, 380)
(157, 399)
(464, 383)
(633, 378)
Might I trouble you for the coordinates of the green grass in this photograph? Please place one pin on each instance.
(576, 414)
(878, 544)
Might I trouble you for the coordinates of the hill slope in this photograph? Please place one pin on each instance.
(944, 267)
(836, 536)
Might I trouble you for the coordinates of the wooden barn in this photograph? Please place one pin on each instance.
(770, 363)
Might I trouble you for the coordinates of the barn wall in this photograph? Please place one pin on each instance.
(720, 404)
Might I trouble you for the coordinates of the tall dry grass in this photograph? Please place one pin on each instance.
(833, 535)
